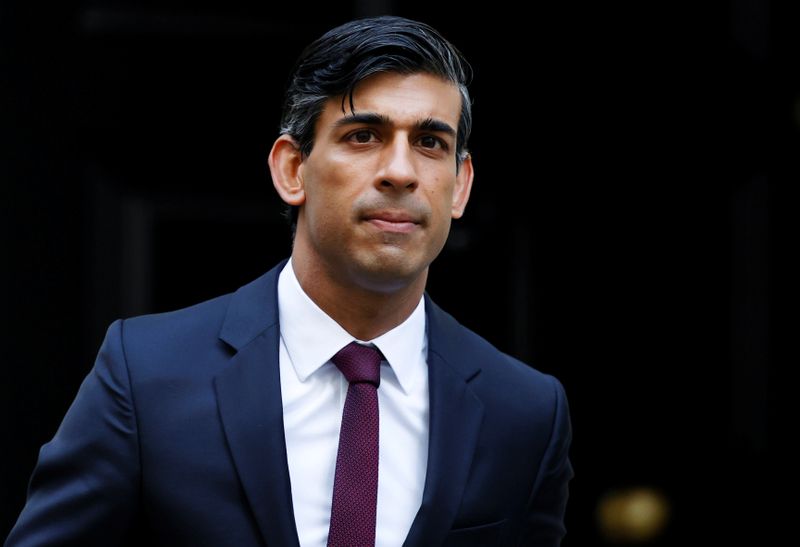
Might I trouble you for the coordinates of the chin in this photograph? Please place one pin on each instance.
(388, 274)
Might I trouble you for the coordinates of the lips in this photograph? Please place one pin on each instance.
(393, 221)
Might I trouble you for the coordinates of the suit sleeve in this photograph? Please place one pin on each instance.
(544, 522)
(85, 485)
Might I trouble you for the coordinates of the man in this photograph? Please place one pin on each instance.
(240, 421)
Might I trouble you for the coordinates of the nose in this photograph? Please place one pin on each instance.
(398, 170)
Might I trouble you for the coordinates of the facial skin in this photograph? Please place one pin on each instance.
(376, 193)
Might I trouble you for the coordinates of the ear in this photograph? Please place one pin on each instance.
(285, 159)
(463, 187)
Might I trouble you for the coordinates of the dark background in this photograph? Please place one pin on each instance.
(635, 165)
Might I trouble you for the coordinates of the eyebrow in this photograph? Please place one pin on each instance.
(373, 118)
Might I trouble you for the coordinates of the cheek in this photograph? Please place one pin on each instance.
(441, 196)
(333, 178)
(329, 201)
(326, 213)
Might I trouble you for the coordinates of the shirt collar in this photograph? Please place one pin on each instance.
(406, 348)
(312, 337)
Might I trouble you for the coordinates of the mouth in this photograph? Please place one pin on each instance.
(400, 222)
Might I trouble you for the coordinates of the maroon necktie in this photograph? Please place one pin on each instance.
(355, 486)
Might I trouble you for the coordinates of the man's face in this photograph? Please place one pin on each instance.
(381, 184)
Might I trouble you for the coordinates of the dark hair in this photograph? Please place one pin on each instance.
(336, 62)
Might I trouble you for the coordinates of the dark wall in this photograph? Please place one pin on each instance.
(630, 162)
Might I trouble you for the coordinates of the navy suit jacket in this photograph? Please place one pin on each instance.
(176, 438)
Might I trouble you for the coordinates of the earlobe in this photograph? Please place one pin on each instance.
(285, 161)
(463, 187)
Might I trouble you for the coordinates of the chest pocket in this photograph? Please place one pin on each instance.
(483, 535)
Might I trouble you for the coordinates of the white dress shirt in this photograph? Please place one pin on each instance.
(313, 391)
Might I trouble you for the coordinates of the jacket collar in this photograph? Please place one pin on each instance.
(252, 310)
(456, 414)
(250, 406)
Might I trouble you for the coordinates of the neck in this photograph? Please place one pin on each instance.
(364, 312)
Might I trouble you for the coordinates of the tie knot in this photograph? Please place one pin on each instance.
(359, 363)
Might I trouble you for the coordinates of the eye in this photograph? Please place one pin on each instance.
(429, 141)
(361, 136)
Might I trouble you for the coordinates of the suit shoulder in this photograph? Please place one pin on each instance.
(497, 368)
(174, 342)
(192, 321)
(202, 336)
(237, 317)
(502, 367)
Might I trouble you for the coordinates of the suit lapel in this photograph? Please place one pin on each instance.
(456, 414)
(249, 399)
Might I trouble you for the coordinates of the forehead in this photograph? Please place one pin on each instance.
(402, 98)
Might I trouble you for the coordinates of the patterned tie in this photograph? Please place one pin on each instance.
(355, 486)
